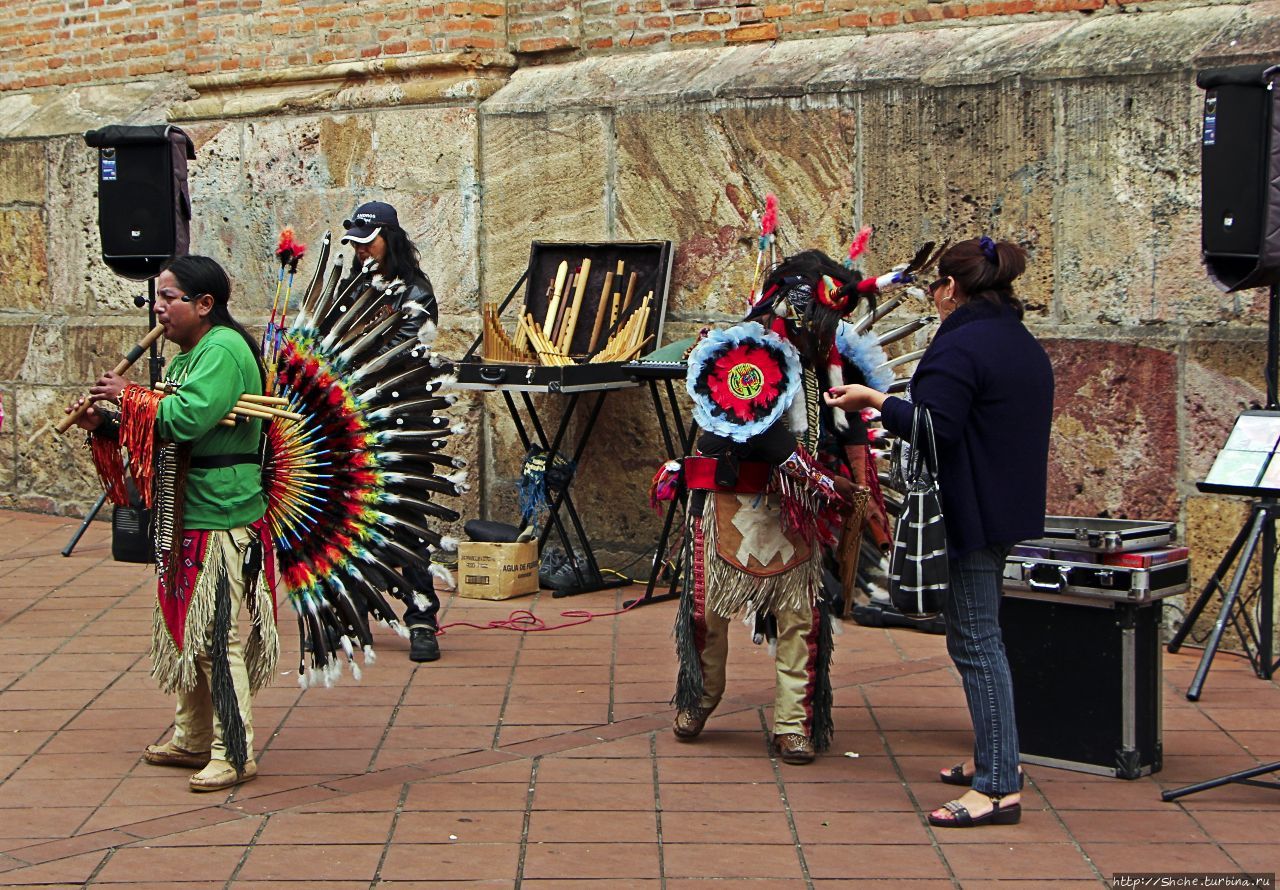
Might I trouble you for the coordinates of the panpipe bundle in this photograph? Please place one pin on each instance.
(353, 485)
(498, 347)
(543, 348)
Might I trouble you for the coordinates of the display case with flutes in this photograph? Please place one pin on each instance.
(587, 308)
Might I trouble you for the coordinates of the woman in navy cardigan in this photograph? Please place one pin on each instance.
(989, 387)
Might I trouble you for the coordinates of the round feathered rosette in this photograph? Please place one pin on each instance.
(865, 353)
(742, 379)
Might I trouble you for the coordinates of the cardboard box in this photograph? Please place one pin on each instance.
(497, 571)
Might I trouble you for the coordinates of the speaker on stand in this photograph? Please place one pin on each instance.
(1240, 244)
(144, 220)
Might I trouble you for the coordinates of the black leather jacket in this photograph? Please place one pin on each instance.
(420, 292)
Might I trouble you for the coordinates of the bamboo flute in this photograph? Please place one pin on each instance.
(631, 290)
(264, 400)
(557, 289)
(567, 297)
(601, 310)
(571, 321)
(124, 364)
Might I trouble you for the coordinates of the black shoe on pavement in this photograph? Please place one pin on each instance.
(423, 645)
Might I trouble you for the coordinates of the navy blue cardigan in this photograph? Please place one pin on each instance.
(989, 386)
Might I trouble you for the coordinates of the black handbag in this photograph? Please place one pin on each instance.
(918, 572)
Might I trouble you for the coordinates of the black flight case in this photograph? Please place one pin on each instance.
(1081, 620)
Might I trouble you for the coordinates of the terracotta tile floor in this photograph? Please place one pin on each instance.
(544, 760)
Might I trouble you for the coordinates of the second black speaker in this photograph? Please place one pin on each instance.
(1239, 160)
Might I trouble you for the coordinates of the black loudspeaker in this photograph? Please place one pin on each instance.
(144, 205)
(1240, 176)
(131, 537)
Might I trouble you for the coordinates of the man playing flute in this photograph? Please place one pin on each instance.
(213, 551)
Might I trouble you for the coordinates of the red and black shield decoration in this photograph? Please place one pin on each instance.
(742, 380)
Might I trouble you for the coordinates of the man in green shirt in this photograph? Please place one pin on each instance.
(213, 550)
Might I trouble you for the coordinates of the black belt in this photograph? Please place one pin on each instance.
(218, 461)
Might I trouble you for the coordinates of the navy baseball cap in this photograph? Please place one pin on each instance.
(367, 222)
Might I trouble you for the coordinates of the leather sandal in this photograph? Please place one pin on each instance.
(959, 816)
(956, 776)
(220, 774)
(170, 754)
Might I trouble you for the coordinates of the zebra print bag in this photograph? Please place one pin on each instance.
(918, 572)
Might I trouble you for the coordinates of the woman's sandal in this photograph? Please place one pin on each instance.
(959, 816)
(956, 776)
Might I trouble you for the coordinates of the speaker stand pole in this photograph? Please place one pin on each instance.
(84, 526)
(1244, 777)
(156, 371)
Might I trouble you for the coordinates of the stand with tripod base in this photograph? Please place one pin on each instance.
(1249, 464)
(1240, 244)
(155, 370)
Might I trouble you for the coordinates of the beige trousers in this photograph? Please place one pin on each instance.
(795, 667)
(196, 724)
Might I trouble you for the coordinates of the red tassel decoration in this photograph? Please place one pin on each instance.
(859, 244)
(110, 466)
(139, 408)
(665, 484)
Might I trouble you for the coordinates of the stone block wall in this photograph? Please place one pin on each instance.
(1075, 135)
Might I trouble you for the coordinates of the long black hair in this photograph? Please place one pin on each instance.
(203, 275)
(402, 259)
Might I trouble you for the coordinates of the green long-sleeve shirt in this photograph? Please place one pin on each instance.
(211, 378)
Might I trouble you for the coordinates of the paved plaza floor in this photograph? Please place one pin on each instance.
(545, 759)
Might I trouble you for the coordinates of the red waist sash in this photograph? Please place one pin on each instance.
(700, 474)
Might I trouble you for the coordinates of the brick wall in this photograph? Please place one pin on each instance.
(61, 42)
(597, 26)
(272, 34)
(57, 42)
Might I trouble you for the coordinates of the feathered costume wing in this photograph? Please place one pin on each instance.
(353, 488)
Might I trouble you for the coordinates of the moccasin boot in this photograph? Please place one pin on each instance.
(794, 748)
(689, 722)
(170, 754)
(219, 775)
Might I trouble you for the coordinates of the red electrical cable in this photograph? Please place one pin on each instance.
(524, 621)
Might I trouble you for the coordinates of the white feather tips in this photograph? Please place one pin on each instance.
(427, 332)
(443, 574)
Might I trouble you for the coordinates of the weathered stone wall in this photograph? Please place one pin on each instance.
(1076, 136)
